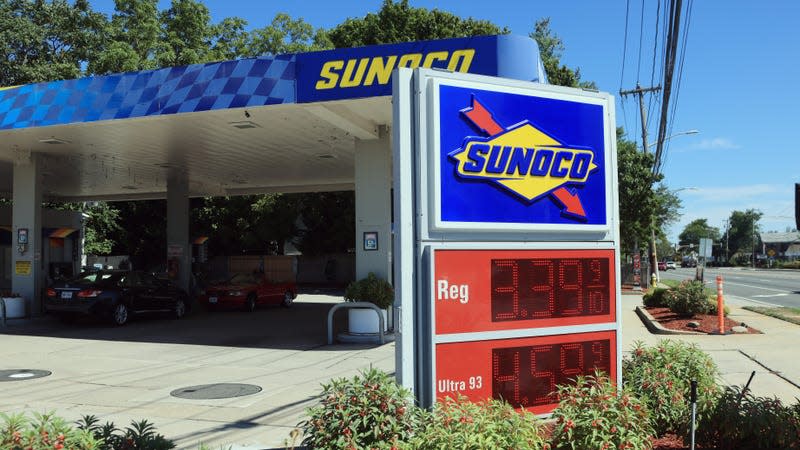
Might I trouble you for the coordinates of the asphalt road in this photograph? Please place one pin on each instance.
(748, 286)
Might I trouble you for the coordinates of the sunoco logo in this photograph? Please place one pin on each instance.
(523, 160)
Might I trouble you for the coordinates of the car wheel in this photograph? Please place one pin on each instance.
(250, 304)
(180, 308)
(120, 314)
(288, 299)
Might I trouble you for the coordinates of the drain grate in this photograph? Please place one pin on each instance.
(216, 391)
(22, 374)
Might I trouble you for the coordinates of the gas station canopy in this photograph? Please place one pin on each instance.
(270, 124)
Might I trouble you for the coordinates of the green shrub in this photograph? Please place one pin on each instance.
(755, 423)
(655, 298)
(42, 431)
(661, 376)
(370, 289)
(712, 308)
(138, 436)
(369, 410)
(688, 299)
(491, 424)
(592, 415)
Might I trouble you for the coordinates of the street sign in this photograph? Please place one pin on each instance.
(706, 247)
(511, 238)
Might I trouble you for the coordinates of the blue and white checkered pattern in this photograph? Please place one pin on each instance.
(198, 87)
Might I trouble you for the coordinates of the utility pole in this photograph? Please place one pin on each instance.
(640, 91)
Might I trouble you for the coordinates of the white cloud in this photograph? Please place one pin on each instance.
(734, 193)
(716, 144)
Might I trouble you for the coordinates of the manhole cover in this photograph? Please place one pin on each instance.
(218, 390)
(22, 374)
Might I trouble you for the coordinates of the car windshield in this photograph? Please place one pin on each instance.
(97, 277)
(240, 279)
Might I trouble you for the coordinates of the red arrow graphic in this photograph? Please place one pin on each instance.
(483, 119)
(570, 201)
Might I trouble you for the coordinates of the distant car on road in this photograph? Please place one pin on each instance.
(662, 265)
(248, 290)
(115, 295)
(689, 262)
(671, 265)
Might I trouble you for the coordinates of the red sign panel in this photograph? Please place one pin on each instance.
(491, 290)
(525, 371)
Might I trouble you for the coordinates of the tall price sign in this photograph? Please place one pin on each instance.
(515, 249)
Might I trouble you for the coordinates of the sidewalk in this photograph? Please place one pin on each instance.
(772, 355)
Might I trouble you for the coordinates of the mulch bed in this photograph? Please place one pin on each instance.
(707, 323)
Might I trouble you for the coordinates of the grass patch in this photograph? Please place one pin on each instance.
(671, 283)
(788, 314)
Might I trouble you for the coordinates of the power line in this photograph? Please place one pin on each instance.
(653, 66)
(625, 44)
(641, 34)
(669, 69)
(679, 78)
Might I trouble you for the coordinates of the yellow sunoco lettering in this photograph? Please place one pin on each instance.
(434, 56)
(464, 56)
(411, 60)
(380, 70)
(350, 80)
(328, 73)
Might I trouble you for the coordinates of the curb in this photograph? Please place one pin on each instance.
(656, 328)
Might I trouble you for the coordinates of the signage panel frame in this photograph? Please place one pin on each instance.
(420, 230)
(431, 152)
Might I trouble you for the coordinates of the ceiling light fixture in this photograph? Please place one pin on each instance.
(244, 124)
(53, 141)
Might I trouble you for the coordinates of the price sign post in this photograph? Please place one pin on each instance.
(511, 279)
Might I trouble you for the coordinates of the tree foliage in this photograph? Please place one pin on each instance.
(400, 22)
(743, 233)
(551, 48)
(637, 199)
(46, 40)
(697, 229)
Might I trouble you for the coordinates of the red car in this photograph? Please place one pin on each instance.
(247, 291)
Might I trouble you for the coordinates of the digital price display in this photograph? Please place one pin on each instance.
(524, 371)
(490, 290)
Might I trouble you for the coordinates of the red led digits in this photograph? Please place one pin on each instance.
(506, 274)
(570, 285)
(505, 370)
(544, 288)
(528, 376)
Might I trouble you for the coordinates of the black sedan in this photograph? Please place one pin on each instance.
(115, 295)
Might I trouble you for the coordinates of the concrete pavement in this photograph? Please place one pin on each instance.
(773, 355)
(125, 374)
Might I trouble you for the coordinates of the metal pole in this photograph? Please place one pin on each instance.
(694, 409)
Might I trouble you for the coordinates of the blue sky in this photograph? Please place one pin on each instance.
(738, 86)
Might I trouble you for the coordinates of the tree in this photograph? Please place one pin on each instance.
(45, 41)
(286, 35)
(130, 39)
(696, 230)
(637, 199)
(551, 47)
(186, 34)
(742, 234)
(329, 222)
(399, 22)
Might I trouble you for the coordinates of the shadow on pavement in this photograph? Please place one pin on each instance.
(301, 327)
